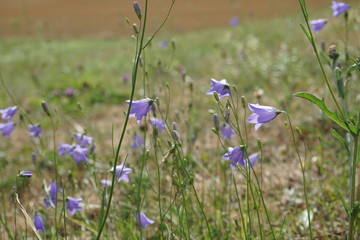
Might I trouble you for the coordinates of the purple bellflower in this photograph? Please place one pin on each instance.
(227, 132)
(339, 8)
(234, 22)
(65, 149)
(35, 131)
(105, 183)
(79, 154)
(53, 190)
(38, 223)
(8, 113)
(163, 44)
(221, 87)
(25, 174)
(140, 108)
(158, 123)
(318, 24)
(137, 142)
(7, 128)
(121, 172)
(83, 140)
(143, 220)
(253, 159)
(261, 114)
(73, 205)
(235, 156)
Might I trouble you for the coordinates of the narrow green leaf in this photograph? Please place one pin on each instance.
(342, 200)
(305, 32)
(348, 126)
(340, 139)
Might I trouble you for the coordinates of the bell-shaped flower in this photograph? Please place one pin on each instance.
(79, 154)
(8, 113)
(235, 156)
(140, 108)
(221, 87)
(35, 131)
(261, 114)
(318, 24)
(143, 220)
(137, 142)
(83, 140)
(73, 205)
(65, 149)
(38, 223)
(7, 128)
(339, 8)
(227, 132)
(158, 123)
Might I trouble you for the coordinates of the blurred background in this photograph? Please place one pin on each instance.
(106, 18)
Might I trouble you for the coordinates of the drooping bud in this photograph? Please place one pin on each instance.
(227, 115)
(136, 30)
(216, 119)
(216, 96)
(137, 10)
(45, 108)
(176, 136)
(332, 52)
(33, 157)
(174, 126)
(243, 101)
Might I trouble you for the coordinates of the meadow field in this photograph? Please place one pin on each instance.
(125, 136)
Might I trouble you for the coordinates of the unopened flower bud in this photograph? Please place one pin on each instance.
(173, 44)
(216, 119)
(33, 157)
(332, 52)
(227, 115)
(216, 96)
(45, 108)
(137, 10)
(174, 126)
(176, 136)
(243, 101)
(136, 30)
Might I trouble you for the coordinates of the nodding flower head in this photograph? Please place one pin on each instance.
(8, 113)
(121, 172)
(339, 8)
(261, 114)
(158, 123)
(7, 128)
(235, 156)
(227, 132)
(38, 223)
(143, 220)
(79, 154)
(35, 131)
(73, 205)
(140, 108)
(137, 142)
(222, 88)
(83, 140)
(318, 24)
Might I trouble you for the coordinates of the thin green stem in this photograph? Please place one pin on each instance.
(303, 174)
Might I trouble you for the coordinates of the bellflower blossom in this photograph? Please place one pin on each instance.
(235, 156)
(105, 183)
(158, 123)
(73, 205)
(339, 8)
(253, 159)
(51, 192)
(38, 223)
(221, 87)
(261, 114)
(137, 142)
(83, 140)
(318, 24)
(26, 174)
(234, 22)
(121, 172)
(35, 131)
(140, 108)
(65, 149)
(143, 220)
(7, 128)
(227, 132)
(79, 154)
(8, 113)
